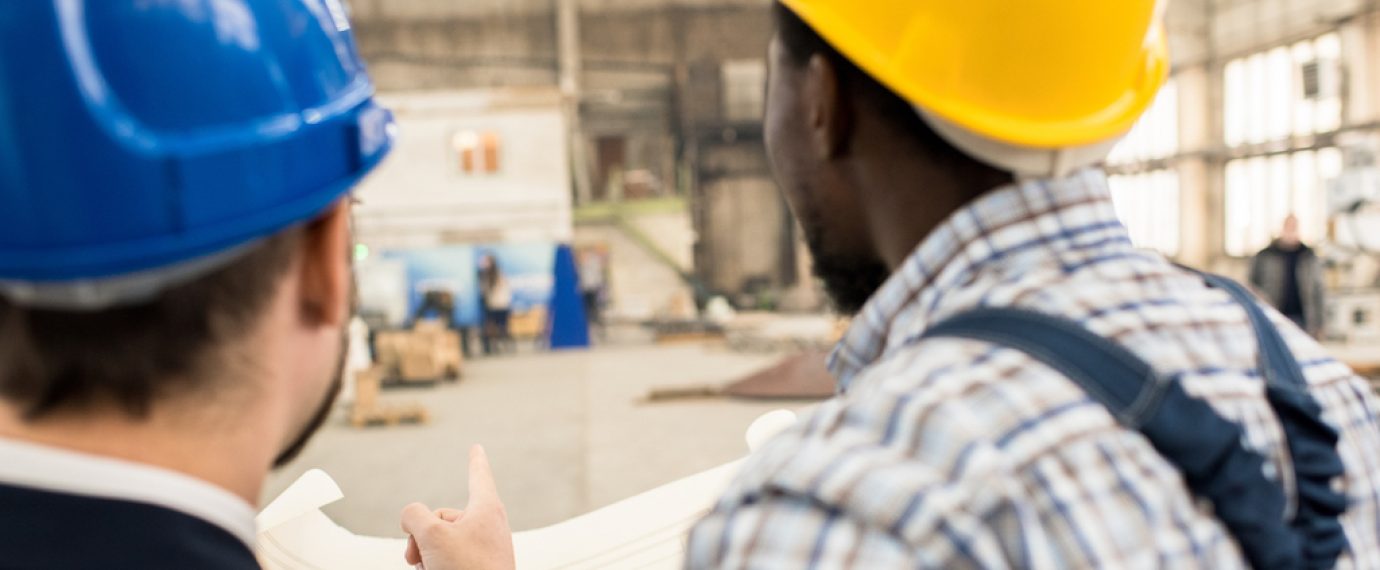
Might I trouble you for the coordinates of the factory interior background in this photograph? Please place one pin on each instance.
(605, 157)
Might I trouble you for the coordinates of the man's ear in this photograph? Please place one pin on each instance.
(830, 117)
(326, 268)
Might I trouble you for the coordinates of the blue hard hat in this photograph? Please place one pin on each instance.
(143, 134)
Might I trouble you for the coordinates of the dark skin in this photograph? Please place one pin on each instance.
(865, 191)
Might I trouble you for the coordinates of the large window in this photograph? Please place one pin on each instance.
(1264, 190)
(1277, 96)
(744, 90)
(1285, 92)
(1148, 203)
(477, 152)
(1156, 135)
(1144, 189)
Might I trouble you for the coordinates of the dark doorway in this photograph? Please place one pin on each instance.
(612, 159)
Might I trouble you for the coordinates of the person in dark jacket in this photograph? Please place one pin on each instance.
(1289, 275)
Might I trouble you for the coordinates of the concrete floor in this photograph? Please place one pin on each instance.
(566, 433)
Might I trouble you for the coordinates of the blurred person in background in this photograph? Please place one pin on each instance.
(1021, 387)
(593, 281)
(175, 278)
(496, 299)
(1290, 276)
(438, 304)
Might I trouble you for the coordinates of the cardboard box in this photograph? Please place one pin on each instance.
(449, 355)
(419, 364)
(424, 354)
(389, 345)
(367, 386)
(429, 326)
(528, 325)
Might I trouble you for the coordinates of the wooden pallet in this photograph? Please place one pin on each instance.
(682, 393)
(691, 337)
(399, 383)
(390, 416)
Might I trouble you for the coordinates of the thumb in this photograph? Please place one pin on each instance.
(483, 489)
(417, 518)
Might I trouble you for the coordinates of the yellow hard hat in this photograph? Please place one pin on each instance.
(1035, 73)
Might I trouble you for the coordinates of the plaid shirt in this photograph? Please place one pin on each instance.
(952, 453)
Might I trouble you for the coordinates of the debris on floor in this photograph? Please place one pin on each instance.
(799, 377)
(691, 331)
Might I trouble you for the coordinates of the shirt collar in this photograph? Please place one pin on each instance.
(67, 472)
(1013, 226)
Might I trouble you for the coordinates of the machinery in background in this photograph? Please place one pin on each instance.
(1353, 253)
(1353, 316)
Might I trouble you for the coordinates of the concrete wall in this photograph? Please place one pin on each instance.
(672, 233)
(626, 45)
(1239, 27)
(748, 214)
(742, 219)
(1361, 46)
(650, 68)
(640, 287)
(1188, 27)
(651, 78)
(421, 197)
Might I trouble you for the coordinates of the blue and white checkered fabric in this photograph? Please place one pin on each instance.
(960, 454)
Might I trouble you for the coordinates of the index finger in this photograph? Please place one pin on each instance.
(483, 489)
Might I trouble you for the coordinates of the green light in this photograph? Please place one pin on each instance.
(361, 252)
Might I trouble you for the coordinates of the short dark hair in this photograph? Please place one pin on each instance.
(55, 361)
(801, 42)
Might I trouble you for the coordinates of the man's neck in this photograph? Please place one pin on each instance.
(905, 211)
(236, 461)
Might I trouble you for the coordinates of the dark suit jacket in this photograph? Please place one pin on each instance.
(45, 530)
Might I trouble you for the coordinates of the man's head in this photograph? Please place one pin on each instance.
(832, 134)
(1289, 234)
(883, 118)
(174, 246)
(265, 328)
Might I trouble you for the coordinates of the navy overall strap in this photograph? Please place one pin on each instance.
(1312, 443)
(1206, 448)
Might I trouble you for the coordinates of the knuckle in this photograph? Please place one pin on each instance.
(496, 511)
(432, 533)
